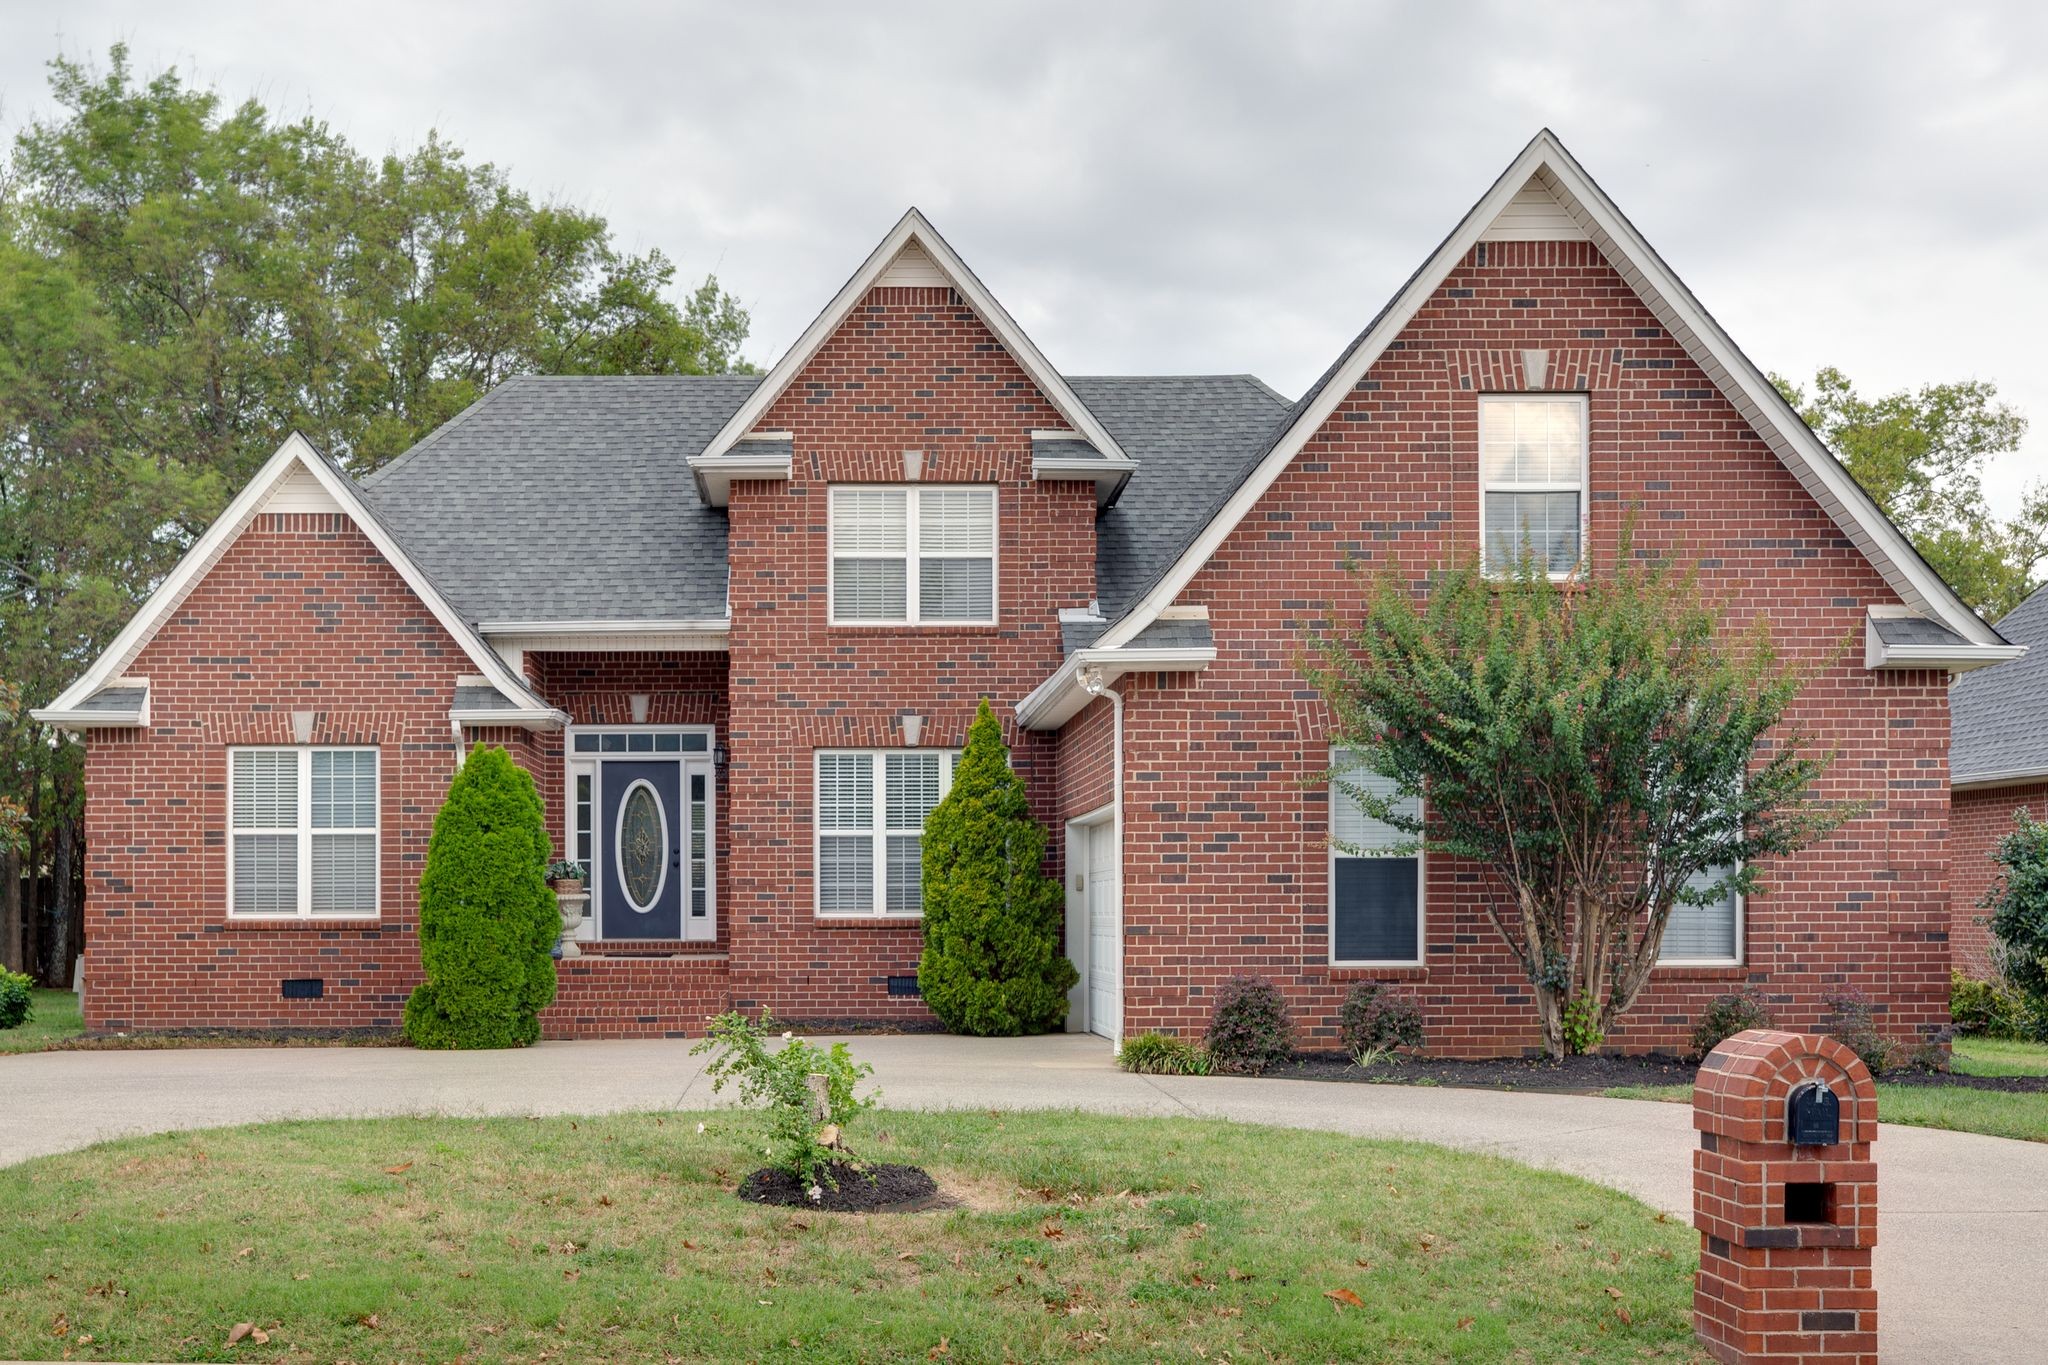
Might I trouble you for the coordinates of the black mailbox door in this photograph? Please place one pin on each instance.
(1813, 1116)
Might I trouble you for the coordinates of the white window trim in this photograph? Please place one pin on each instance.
(304, 831)
(1741, 957)
(1584, 487)
(1330, 893)
(878, 831)
(913, 554)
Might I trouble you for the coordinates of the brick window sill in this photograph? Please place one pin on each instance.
(1411, 972)
(320, 925)
(1725, 971)
(857, 921)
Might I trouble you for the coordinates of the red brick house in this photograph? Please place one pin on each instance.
(736, 625)
(1998, 764)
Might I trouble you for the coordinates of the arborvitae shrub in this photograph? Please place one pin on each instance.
(992, 919)
(487, 919)
(1251, 1030)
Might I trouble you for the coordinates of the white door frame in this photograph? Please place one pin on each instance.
(703, 760)
(1080, 830)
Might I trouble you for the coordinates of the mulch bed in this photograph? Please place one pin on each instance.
(881, 1188)
(1581, 1075)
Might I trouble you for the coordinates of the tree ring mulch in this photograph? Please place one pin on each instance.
(881, 1188)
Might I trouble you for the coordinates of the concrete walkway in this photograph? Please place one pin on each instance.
(1962, 1233)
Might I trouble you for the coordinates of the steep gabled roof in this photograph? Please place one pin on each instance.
(913, 233)
(76, 704)
(1546, 161)
(1998, 717)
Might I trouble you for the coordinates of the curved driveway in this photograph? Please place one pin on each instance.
(1962, 1229)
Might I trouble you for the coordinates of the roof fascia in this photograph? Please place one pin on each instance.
(914, 227)
(2012, 777)
(1056, 700)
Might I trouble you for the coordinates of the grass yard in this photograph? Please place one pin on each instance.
(56, 1017)
(618, 1238)
(1998, 1057)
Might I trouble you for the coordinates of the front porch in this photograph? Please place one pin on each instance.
(650, 989)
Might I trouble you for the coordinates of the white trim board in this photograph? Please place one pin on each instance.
(912, 229)
(295, 454)
(1760, 404)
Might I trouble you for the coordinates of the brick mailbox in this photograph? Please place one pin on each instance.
(1785, 1198)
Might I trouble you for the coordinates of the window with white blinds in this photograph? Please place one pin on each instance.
(1710, 933)
(907, 556)
(302, 832)
(1376, 880)
(1532, 479)
(870, 820)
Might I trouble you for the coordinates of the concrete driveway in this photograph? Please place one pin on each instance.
(1962, 1232)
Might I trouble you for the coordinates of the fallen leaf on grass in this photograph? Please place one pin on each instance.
(1237, 1274)
(944, 1348)
(1622, 1313)
(400, 1169)
(243, 1252)
(1344, 1298)
(1053, 1230)
(240, 1330)
(689, 1245)
(369, 1320)
(572, 1274)
(1362, 1263)
(259, 1336)
(1612, 1292)
(1464, 1324)
(906, 1255)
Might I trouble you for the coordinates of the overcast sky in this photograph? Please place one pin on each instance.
(1206, 187)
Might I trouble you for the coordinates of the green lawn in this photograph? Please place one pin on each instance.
(619, 1238)
(1996, 1057)
(56, 1016)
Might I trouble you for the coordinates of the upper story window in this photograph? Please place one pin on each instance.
(1376, 881)
(1532, 479)
(912, 556)
(302, 831)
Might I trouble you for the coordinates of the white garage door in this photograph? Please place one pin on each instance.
(1105, 935)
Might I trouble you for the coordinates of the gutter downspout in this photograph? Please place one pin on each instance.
(1092, 683)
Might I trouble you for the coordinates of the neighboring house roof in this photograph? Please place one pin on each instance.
(1546, 162)
(87, 701)
(556, 499)
(569, 499)
(1998, 717)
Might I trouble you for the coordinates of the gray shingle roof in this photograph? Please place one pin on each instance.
(568, 498)
(1063, 448)
(1915, 630)
(115, 699)
(1998, 716)
(482, 699)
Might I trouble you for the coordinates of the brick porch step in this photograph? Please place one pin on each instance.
(636, 991)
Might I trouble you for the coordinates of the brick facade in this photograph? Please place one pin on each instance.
(1225, 866)
(1978, 820)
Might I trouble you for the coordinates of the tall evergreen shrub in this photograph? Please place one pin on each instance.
(487, 918)
(992, 919)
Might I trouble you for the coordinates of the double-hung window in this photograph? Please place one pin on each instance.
(871, 810)
(1709, 934)
(911, 556)
(1532, 476)
(302, 832)
(1376, 875)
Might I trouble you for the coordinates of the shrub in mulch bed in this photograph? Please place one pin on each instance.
(880, 1188)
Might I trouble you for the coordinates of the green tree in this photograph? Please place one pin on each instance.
(487, 918)
(1595, 744)
(183, 283)
(1920, 454)
(992, 918)
(2019, 913)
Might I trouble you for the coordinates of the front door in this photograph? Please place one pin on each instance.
(1105, 935)
(641, 850)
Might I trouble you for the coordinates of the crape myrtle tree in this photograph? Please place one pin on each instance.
(1608, 746)
(2019, 913)
(487, 918)
(992, 919)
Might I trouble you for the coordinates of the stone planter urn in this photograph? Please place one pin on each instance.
(572, 900)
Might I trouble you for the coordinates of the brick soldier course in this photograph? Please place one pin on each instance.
(631, 554)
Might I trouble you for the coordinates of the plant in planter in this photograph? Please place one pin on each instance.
(805, 1094)
(568, 878)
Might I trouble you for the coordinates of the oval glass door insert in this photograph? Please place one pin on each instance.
(642, 846)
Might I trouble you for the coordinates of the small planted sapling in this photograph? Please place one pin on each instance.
(804, 1092)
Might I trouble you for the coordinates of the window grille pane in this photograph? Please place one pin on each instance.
(870, 589)
(1351, 826)
(1374, 906)
(906, 874)
(265, 789)
(266, 874)
(1702, 931)
(582, 854)
(345, 789)
(1547, 524)
(1531, 441)
(869, 521)
(913, 788)
(846, 792)
(956, 589)
(344, 874)
(846, 874)
(956, 521)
